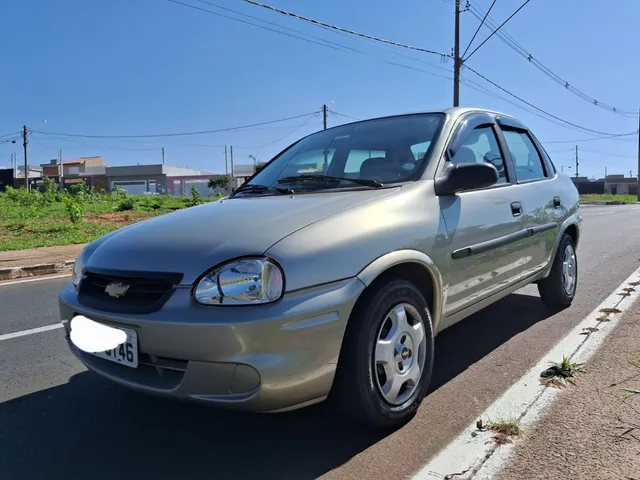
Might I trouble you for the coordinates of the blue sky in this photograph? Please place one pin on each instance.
(123, 67)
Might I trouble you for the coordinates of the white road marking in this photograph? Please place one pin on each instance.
(24, 333)
(473, 454)
(607, 213)
(39, 279)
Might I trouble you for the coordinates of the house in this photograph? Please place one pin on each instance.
(620, 185)
(90, 170)
(159, 178)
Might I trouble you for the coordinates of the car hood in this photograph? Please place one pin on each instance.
(192, 240)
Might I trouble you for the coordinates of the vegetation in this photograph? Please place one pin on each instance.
(561, 373)
(46, 216)
(608, 198)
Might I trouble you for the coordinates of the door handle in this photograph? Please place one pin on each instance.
(516, 209)
(556, 202)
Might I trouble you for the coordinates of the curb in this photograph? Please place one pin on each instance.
(36, 270)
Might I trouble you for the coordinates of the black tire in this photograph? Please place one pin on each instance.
(552, 289)
(356, 392)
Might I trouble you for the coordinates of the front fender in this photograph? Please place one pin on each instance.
(381, 264)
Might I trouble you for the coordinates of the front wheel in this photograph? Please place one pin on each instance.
(559, 289)
(387, 356)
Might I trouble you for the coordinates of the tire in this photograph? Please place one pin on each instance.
(360, 379)
(554, 291)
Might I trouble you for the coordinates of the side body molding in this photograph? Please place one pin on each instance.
(389, 260)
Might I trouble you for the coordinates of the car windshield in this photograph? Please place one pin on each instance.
(367, 154)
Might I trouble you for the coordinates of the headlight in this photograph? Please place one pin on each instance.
(248, 281)
(76, 274)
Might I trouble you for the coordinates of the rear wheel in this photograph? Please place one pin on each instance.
(387, 356)
(559, 289)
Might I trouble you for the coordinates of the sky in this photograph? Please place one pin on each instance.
(149, 67)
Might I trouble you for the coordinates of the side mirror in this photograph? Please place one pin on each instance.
(465, 176)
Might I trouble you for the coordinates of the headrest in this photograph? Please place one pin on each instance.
(374, 165)
(464, 155)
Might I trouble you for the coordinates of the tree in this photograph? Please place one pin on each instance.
(218, 182)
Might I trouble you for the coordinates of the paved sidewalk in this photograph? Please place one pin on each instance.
(38, 256)
(589, 432)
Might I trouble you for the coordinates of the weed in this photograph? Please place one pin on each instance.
(195, 198)
(74, 210)
(127, 203)
(503, 430)
(561, 372)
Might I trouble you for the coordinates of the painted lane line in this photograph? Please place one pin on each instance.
(24, 333)
(40, 279)
(473, 454)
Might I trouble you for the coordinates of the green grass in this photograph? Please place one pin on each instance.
(504, 430)
(35, 219)
(561, 373)
(609, 198)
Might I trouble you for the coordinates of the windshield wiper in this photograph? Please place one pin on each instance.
(359, 181)
(253, 187)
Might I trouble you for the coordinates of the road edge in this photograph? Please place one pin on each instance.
(474, 453)
(11, 273)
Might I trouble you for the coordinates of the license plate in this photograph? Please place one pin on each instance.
(125, 353)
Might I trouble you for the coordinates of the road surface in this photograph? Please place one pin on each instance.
(58, 421)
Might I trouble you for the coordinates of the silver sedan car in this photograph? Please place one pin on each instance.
(327, 275)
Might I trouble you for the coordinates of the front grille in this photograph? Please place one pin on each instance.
(145, 293)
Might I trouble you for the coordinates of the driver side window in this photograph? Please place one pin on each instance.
(482, 146)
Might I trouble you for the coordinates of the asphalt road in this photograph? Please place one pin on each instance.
(58, 421)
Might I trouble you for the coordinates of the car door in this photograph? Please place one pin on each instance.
(485, 227)
(538, 190)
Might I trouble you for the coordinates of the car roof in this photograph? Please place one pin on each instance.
(452, 112)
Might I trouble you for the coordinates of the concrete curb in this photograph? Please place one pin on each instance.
(11, 273)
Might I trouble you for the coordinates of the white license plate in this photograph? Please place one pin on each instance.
(125, 353)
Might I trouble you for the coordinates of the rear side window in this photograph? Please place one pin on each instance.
(526, 160)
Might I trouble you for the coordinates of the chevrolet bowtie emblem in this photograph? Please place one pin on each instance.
(116, 289)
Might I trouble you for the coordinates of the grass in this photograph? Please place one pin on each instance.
(504, 430)
(635, 362)
(561, 373)
(616, 199)
(50, 218)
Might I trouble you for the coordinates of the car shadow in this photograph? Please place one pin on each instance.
(90, 428)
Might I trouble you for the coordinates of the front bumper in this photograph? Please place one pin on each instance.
(259, 358)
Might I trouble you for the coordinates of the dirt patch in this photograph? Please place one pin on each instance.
(118, 218)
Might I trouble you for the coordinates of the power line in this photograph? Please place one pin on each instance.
(520, 50)
(478, 29)
(177, 134)
(14, 134)
(497, 29)
(345, 116)
(253, 24)
(327, 43)
(351, 32)
(604, 137)
(480, 88)
(533, 106)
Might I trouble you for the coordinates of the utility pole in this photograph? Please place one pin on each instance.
(163, 155)
(26, 163)
(324, 116)
(577, 163)
(226, 162)
(61, 169)
(457, 61)
(638, 183)
(232, 176)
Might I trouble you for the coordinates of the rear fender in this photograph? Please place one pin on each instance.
(575, 220)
